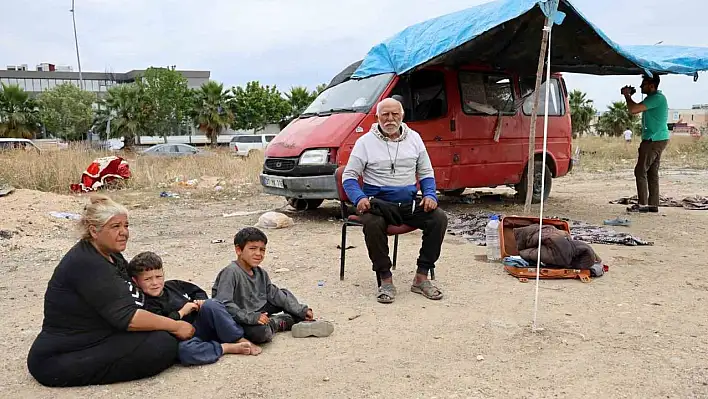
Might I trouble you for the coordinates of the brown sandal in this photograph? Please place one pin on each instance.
(428, 290)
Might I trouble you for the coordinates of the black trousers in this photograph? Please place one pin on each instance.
(647, 171)
(433, 224)
(124, 356)
(261, 334)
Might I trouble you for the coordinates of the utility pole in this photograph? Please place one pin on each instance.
(78, 58)
(76, 42)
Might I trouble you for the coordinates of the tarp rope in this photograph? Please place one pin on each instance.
(543, 172)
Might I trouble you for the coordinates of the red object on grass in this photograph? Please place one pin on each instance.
(102, 171)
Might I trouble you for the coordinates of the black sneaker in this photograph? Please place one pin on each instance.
(282, 322)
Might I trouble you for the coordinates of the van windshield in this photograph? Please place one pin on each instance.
(350, 96)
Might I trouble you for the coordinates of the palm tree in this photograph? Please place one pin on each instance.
(320, 88)
(617, 119)
(299, 98)
(99, 125)
(212, 112)
(581, 112)
(19, 114)
(123, 105)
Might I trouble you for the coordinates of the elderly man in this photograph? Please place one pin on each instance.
(390, 157)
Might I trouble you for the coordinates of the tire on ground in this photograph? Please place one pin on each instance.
(304, 204)
(521, 187)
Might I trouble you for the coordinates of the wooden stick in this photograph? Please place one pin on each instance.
(534, 117)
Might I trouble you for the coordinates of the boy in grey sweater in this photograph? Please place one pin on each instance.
(255, 303)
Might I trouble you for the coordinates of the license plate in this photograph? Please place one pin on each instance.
(273, 182)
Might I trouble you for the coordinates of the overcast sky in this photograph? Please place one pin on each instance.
(301, 42)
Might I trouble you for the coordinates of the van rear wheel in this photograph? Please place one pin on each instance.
(304, 204)
(537, 171)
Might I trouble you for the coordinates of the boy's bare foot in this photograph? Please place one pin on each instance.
(255, 349)
(241, 348)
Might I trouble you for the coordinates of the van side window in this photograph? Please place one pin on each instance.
(555, 106)
(423, 94)
(486, 94)
(269, 138)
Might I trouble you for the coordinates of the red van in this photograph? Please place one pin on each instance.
(474, 122)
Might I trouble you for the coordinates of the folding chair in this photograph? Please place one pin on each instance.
(354, 220)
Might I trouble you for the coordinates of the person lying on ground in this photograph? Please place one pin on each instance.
(390, 158)
(216, 332)
(255, 302)
(95, 330)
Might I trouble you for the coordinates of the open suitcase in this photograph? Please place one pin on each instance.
(507, 243)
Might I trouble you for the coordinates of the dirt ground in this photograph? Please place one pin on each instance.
(637, 332)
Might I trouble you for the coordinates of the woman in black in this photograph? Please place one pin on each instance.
(94, 330)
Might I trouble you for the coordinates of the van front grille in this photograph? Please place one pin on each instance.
(280, 164)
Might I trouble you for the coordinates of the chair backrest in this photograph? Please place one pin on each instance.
(340, 187)
(343, 197)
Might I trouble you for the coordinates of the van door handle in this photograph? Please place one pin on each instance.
(438, 138)
(456, 158)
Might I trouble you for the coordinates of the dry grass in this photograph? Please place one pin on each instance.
(55, 170)
(602, 154)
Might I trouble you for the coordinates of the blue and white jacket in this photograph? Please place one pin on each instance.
(372, 157)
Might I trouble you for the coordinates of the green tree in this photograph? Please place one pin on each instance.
(211, 112)
(124, 113)
(320, 88)
(299, 98)
(582, 111)
(617, 119)
(165, 100)
(19, 114)
(256, 106)
(67, 111)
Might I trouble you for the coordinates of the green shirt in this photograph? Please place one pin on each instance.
(656, 117)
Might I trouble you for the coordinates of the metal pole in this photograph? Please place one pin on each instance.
(76, 41)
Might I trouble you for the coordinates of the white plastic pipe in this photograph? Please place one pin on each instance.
(543, 173)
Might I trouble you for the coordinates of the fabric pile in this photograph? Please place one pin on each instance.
(468, 226)
(558, 249)
(101, 172)
(693, 203)
(592, 234)
(471, 227)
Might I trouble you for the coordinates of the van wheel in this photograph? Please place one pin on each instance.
(454, 193)
(521, 187)
(304, 204)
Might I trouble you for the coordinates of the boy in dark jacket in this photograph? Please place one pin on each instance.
(255, 302)
(216, 333)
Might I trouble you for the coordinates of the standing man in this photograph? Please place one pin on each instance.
(390, 158)
(655, 138)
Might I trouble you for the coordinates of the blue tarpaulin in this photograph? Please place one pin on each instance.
(506, 34)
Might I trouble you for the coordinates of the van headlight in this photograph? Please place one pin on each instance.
(314, 157)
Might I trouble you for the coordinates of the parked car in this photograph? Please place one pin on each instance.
(243, 144)
(173, 150)
(457, 111)
(18, 144)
